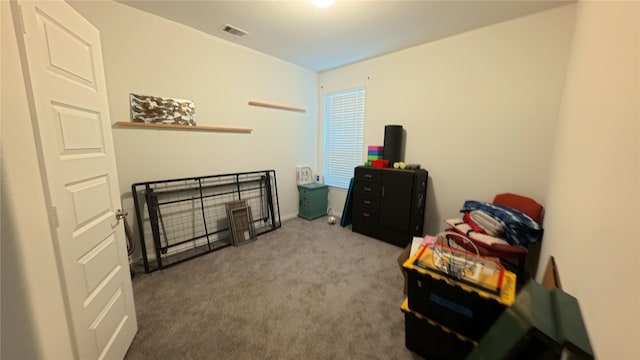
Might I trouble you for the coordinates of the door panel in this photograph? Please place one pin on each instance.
(396, 200)
(80, 131)
(109, 322)
(68, 55)
(90, 201)
(62, 63)
(99, 262)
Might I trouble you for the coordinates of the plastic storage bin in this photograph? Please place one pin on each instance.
(432, 340)
(460, 306)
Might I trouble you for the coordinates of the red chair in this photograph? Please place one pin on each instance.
(522, 260)
(526, 205)
(527, 264)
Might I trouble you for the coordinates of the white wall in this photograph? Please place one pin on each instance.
(33, 314)
(458, 98)
(147, 55)
(592, 211)
(479, 108)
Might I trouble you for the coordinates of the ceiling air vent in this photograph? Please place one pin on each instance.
(234, 30)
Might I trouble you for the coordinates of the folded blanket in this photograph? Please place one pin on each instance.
(519, 229)
(487, 222)
(487, 245)
(467, 219)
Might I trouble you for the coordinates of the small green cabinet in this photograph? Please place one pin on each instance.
(312, 200)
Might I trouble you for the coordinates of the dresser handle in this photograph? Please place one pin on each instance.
(368, 176)
(366, 215)
(366, 188)
(366, 202)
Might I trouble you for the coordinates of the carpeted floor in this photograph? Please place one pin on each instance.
(308, 290)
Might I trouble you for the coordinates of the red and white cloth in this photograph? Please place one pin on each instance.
(463, 233)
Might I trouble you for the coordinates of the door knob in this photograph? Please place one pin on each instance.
(121, 214)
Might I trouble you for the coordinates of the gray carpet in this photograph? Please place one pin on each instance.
(306, 290)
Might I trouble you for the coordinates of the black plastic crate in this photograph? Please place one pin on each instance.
(459, 305)
(431, 340)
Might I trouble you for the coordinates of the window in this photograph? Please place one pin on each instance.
(343, 132)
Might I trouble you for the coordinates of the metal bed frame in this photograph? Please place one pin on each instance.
(184, 218)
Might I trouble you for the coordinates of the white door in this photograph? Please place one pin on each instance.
(62, 62)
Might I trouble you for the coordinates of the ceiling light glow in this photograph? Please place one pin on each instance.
(323, 4)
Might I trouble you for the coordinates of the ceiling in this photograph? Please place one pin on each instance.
(349, 31)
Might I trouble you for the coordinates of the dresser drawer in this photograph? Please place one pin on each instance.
(366, 202)
(367, 189)
(365, 215)
(368, 174)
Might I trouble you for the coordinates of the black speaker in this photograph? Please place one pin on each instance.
(392, 144)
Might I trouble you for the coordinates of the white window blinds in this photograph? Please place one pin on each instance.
(343, 132)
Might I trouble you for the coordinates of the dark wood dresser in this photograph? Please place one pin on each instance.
(388, 204)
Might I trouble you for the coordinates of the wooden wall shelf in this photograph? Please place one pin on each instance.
(277, 106)
(183, 127)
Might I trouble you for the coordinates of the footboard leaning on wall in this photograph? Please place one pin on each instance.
(180, 219)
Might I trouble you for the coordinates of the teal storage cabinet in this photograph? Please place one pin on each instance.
(312, 200)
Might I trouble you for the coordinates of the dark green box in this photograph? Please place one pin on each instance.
(312, 200)
(542, 324)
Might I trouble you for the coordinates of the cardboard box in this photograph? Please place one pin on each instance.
(404, 255)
